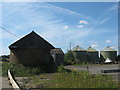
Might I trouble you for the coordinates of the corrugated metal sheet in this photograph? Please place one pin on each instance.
(90, 49)
(108, 53)
(108, 49)
(80, 54)
(92, 55)
(78, 48)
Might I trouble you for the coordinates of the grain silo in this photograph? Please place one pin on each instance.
(58, 56)
(80, 54)
(31, 50)
(108, 53)
(93, 55)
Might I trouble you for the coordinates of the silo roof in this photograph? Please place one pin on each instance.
(91, 49)
(78, 48)
(108, 48)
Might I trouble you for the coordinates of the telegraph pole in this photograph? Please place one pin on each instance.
(70, 45)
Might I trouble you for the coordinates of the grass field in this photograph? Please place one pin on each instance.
(61, 79)
(70, 80)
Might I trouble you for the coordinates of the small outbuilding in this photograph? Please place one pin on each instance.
(31, 50)
(58, 56)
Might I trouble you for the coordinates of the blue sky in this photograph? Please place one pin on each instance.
(86, 24)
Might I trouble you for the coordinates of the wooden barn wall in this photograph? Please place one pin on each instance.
(34, 57)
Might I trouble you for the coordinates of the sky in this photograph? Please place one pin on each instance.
(81, 23)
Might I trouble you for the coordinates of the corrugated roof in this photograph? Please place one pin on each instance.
(108, 49)
(78, 48)
(91, 49)
(32, 40)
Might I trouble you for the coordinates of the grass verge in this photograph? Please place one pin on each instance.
(71, 80)
(19, 70)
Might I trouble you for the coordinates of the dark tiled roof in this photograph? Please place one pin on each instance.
(32, 40)
(57, 50)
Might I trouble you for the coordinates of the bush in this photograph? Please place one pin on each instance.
(19, 69)
(61, 69)
(69, 57)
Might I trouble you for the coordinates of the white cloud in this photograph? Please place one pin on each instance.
(64, 10)
(42, 17)
(108, 41)
(114, 7)
(94, 45)
(80, 26)
(83, 22)
(66, 27)
(104, 20)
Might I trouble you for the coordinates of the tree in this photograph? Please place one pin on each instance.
(69, 57)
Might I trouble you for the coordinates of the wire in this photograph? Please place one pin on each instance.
(9, 32)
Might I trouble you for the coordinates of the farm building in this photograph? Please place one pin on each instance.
(80, 54)
(58, 56)
(108, 53)
(31, 50)
(92, 55)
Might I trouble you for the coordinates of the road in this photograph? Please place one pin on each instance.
(4, 82)
(96, 69)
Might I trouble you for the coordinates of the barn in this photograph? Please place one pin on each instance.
(31, 50)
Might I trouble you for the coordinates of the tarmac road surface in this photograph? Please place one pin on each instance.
(4, 82)
(96, 69)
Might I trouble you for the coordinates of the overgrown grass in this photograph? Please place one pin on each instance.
(72, 80)
(61, 69)
(19, 69)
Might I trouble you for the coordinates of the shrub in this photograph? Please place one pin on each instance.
(61, 69)
(19, 69)
(69, 57)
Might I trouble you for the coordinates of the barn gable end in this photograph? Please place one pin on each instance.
(31, 50)
(32, 40)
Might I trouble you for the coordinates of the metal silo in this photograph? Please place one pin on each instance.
(108, 53)
(92, 55)
(80, 54)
